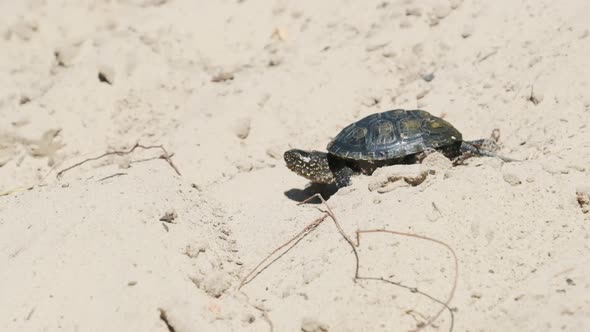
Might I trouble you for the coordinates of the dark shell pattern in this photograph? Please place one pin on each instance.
(393, 134)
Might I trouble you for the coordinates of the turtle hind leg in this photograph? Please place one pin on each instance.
(482, 147)
(486, 144)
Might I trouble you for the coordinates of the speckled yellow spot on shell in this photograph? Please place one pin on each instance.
(359, 133)
(435, 125)
(411, 124)
(384, 127)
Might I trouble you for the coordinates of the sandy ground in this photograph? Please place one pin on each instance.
(124, 243)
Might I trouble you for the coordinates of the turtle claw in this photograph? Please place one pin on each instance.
(460, 160)
(422, 155)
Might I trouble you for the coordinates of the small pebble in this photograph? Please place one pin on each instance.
(376, 46)
(275, 61)
(418, 49)
(433, 21)
(249, 318)
(414, 11)
(124, 163)
(169, 217)
(422, 94)
(441, 11)
(389, 54)
(511, 179)
(279, 34)
(455, 3)
(467, 31)
(242, 128)
(371, 101)
(23, 30)
(404, 24)
(577, 168)
(215, 284)
(536, 97)
(245, 166)
(106, 74)
(551, 169)
(313, 325)
(534, 61)
(66, 55)
(428, 77)
(274, 152)
(584, 201)
(193, 250)
(222, 77)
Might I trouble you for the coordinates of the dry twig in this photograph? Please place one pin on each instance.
(295, 239)
(329, 213)
(166, 156)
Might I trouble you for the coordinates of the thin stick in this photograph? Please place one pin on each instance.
(455, 279)
(413, 289)
(340, 230)
(166, 156)
(263, 311)
(314, 224)
(298, 237)
(111, 176)
(265, 317)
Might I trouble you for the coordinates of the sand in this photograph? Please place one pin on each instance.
(125, 243)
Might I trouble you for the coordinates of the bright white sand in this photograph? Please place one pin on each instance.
(88, 252)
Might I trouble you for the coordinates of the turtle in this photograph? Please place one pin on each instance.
(393, 137)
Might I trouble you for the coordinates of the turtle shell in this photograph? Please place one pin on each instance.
(393, 134)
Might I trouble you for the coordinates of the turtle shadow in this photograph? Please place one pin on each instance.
(299, 195)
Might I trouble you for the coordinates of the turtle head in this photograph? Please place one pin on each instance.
(312, 165)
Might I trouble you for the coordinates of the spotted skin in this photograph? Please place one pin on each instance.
(312, 165)
(382, 139)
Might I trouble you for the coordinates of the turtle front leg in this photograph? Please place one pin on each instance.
(341, 171)
(464, 155)
(343, 176)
